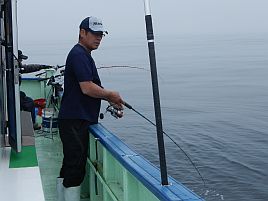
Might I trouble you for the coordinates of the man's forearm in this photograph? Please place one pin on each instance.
(93, 90)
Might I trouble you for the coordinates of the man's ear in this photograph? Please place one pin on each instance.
(82, 32)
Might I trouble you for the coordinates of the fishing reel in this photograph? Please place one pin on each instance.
(114, 111)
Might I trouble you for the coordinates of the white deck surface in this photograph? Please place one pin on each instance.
(19, 184)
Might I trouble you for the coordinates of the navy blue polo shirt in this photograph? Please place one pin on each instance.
(80, 67)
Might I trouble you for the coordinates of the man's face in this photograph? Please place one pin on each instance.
(90, 40)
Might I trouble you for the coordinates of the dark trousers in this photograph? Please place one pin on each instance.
(75, 138)
(27, 104)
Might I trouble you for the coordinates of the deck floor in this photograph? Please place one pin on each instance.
(31, 175)
(19, 183)
(49, 154)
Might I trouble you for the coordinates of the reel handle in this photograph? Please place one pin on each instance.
(115, 112)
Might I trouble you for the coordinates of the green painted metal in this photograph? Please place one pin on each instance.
(49, 154)
(36, 88)
(106, 178)
(109, 180)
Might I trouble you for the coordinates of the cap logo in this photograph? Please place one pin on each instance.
(97, 23)
(92, 24)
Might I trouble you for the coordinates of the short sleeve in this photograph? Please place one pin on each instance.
(82, 67)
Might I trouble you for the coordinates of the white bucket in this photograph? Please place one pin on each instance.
(49, 121)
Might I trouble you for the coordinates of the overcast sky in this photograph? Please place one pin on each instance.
(59, 19)
(50, 27)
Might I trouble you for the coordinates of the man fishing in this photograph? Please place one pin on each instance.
(80, 107)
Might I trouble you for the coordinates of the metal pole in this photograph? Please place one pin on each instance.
(157, 108)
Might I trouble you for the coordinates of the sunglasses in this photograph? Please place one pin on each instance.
(98, 34)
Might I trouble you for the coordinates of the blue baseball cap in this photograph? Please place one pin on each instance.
(92, 24)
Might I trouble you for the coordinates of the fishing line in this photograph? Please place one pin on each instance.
(123, 66)
(127, 66)
(140, 114)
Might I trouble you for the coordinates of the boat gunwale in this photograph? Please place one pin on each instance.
(147, 173)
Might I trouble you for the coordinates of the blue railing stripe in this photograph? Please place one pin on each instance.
(142, 169)
(32, 78)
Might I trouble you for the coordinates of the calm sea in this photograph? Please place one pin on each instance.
(214, 98)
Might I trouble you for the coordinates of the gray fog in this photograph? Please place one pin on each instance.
(59, 19)
(43, 22)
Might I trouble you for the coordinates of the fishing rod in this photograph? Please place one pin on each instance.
(156, 97)
(52, 77)
(30, 68)
(113, 66)
(55, 68)
(102, 67)
(117, 113)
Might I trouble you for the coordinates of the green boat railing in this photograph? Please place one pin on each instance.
(117, 173)
(114, 171)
